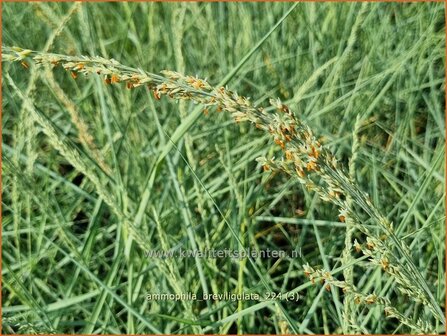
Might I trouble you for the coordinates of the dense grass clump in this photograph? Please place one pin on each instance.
(317, 130)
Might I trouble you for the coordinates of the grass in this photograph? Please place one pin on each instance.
(95, 175)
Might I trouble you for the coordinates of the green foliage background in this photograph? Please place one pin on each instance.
(65, 266)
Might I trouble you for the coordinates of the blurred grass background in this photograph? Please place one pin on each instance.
(65, 269)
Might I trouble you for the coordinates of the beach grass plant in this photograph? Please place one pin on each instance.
(116, 160)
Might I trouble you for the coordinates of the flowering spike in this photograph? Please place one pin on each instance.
(157, 94)
(114, 79)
